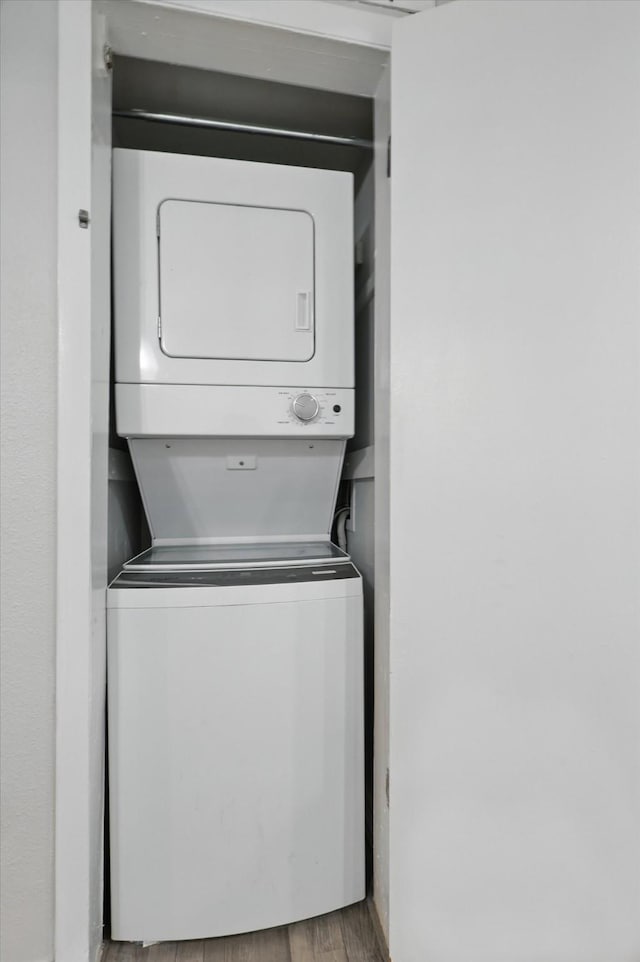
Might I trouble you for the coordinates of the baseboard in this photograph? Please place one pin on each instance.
(377, 927)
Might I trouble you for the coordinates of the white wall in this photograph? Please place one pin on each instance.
(29, 360)
(515, 484)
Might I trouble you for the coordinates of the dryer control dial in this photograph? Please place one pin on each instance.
(305, 407)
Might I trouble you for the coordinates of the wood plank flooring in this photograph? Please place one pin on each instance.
(345, 936)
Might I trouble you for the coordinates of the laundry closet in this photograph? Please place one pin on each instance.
(239, 655)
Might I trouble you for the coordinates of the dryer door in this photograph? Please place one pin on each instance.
(236, 282)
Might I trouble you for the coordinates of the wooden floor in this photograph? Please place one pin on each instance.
(344, 936)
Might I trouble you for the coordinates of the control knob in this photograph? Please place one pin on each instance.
(305, 407)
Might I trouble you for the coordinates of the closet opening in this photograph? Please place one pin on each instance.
(145, 94)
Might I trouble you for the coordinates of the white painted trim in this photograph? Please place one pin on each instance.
(74, 609)
(166, 31)
(84, 141)
(352, 23)
(382, 596)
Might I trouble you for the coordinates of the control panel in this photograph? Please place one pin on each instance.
(207, 410)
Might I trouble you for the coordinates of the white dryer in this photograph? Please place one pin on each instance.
(223, 261)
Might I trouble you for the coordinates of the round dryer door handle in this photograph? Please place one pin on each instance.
(306, 407)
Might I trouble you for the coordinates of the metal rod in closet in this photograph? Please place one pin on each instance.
(185, 120)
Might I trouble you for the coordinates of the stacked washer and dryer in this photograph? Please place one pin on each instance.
(235, 648)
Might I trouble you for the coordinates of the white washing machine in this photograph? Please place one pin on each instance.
(235, 739)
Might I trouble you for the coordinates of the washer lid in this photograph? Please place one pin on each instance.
(208, 557)
(235, 577)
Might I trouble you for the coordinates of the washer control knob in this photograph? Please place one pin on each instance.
(305, 407)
